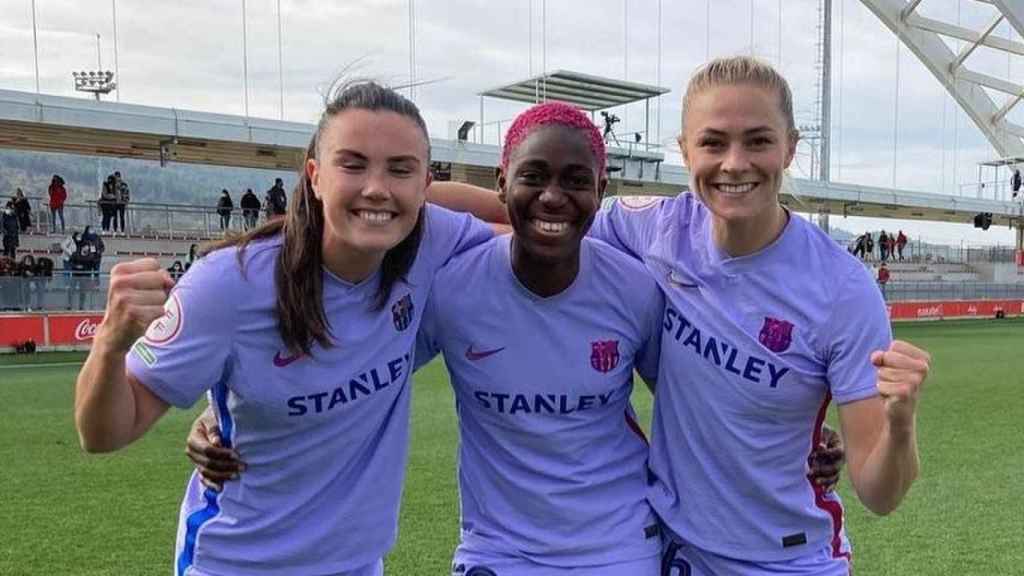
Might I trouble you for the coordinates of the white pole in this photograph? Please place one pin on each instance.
(117, 69)
(280, 59)
(35, 43)
(544, 45)
(707, 30)
(658, 82)
(412, 50)
(245, 62)
(99, 60)
(896, 113)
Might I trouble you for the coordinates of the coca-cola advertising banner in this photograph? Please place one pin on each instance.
(16, 330)
(74, 329)
(954, 309)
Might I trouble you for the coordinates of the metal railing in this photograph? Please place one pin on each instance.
(80, 290)
(904, 291)
(142, 219)
(918, 252)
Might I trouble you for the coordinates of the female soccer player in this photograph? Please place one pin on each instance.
(302, 333)
(767, 321)
(541, 351)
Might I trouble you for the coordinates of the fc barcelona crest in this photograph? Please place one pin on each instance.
(604, 355)
(776, 335)
(402, 312)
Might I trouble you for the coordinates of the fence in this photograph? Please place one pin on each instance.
(142, 219)
(64, 291)
(908, 291)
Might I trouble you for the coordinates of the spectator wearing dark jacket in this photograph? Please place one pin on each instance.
(122, 195)
(23, 210)
(277, 199)
(224, 208)
(58, 196)
(108, 202)
(250, 205)
(10, 230)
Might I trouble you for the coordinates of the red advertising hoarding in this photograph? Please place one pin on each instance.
(16, 329)
(73, 329)
(939, 309)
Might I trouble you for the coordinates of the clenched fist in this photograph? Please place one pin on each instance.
(902, 370)
(138, 290)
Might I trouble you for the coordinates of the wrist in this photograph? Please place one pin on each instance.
(108, 343)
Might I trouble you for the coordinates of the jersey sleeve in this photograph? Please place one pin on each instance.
(627, 223)
(648, 356)
(858, 326)
(185, 353)
(447, 233)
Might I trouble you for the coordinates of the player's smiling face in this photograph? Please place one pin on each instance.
(552, 190)
(371, 173)
(737, 146)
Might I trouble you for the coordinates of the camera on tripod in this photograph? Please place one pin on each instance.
(609, 122)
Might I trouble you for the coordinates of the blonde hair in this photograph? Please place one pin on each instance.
(741, 70)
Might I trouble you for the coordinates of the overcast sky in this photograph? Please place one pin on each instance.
(189, 54)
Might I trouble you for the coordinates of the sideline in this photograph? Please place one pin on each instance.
(41, 365)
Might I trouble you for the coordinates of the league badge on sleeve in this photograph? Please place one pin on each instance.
(402, 312)
(166, 328)
(637, 203)
(604, 355)
(776, 335)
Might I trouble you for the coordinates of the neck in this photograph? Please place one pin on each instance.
(350, 265)
(749, 236)
(543, 277)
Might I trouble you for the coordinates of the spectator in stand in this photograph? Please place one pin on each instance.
(176, 271)
(23, 210)
(8, 288)
(869, 246)
(58, 195)
(901, 241)
(27, 271)
(277, 200)
(250, 205)
(108, 202)
(10, 229)
(122, 195)
(883, 245)
(858, 247)
(224, 208)
(1015, 182)
(883, 277)
(91, 247)
(76, 267)
(191, 256)
(44, 273)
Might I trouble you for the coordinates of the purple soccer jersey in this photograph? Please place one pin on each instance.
(324, 436)
(551, 460)
(753, 351)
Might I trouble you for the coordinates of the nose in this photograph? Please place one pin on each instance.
(377, 186)
(736, 159)
(552, 196)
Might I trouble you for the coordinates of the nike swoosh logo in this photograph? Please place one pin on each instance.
(282, 362)
(675, 280)
(473, 355)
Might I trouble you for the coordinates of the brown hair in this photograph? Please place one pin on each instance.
(298, 274)
(741, 70)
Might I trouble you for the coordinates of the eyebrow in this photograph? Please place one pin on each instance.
(392, 159)
(757, 130)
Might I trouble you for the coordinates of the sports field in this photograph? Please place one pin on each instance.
(65, 512)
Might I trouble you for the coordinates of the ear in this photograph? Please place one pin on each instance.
(313, 174)
(428, 180)
(500, 185)
(681, 140)
(602, 184)
(791, 142)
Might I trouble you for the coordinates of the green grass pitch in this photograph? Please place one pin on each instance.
(65, 512)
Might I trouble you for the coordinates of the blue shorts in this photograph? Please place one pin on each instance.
(682, 559)
(478, 564)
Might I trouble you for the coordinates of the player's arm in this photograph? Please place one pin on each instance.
(215, 463)
(112, 408)
(880, 431)
(480, 202)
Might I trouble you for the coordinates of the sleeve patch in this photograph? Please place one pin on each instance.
(637, 203)
(166, 328)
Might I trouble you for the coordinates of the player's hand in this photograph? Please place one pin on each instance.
(826, 462)
(204, 447)
(138, 290)
(902, 370)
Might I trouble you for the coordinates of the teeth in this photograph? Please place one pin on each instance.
(735, 188)
(551, 227)
(374, 217)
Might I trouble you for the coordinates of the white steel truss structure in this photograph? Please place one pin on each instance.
(924, 37)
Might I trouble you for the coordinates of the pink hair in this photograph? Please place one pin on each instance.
(558, 113)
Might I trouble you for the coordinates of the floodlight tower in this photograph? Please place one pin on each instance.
(94, 81)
